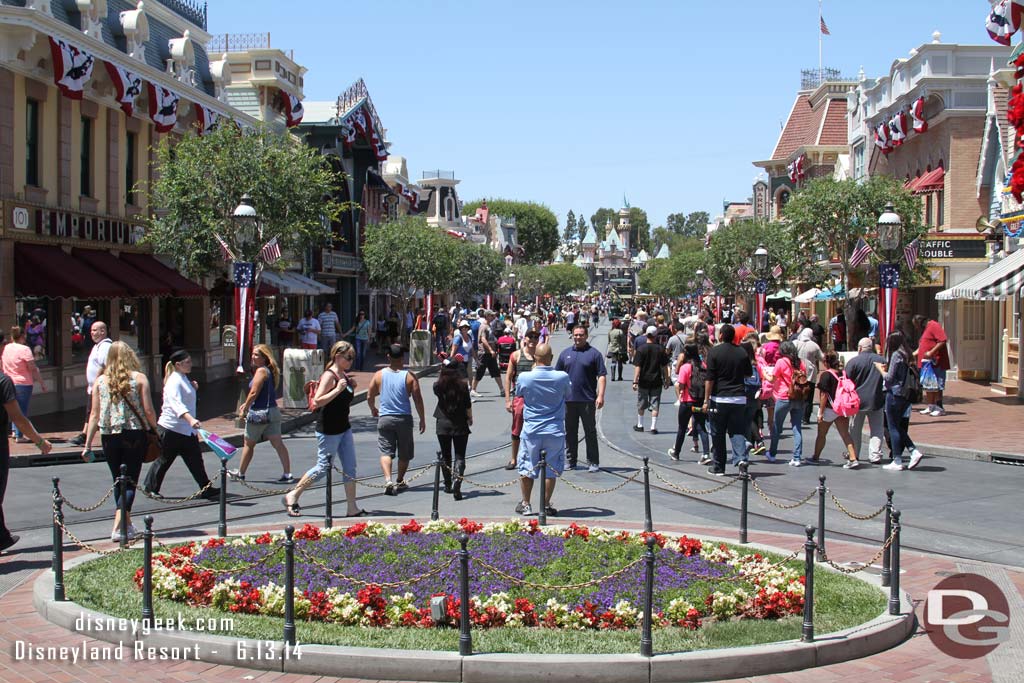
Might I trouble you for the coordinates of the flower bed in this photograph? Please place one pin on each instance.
(580, 578)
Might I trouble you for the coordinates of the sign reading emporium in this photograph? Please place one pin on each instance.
(68, 225)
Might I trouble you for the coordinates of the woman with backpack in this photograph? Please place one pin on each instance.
(790, 391)
(901, 379)
(454, 416)
(332, 400)
(690, 388)
(830, 410)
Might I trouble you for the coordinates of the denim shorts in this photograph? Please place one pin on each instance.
(256, 432)
(529, 454)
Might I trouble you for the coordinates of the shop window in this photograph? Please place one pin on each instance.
(85, 312)
(133, 324)
(940, 209)
(221, 314)
(34, 316)
(974, 321)
(85, 159)
(32, 143)
(928, 210)
(129, 167)
(172, 327)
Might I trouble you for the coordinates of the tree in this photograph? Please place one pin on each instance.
(404, 255)
(536, 225)
(689, 225)
(641, 229)
(672, 276)
(569, 241)
(202, 179)
(600, 219)
(581, 227)
(829, 217)
(676, 222)
(479, 270)
(562, 279)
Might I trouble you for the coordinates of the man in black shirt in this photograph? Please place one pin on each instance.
(725, 398)
(9, 411)
(650, 375)
(440, 325)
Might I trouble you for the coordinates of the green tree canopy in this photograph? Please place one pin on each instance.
(561, 279)
(641, 229)
(733, 246)
(536, 225)
(479, 271)
(600, 219)
(672, 276)
(202, 179)
(693, 224)
(404, 255)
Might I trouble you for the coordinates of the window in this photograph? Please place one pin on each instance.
(928, 209)
(129, 168)
(33, 315)
(940, 209)
(32, 143)
(858, 162)
(133, 324)
(85, 312)
(85, 159)
(974, 321)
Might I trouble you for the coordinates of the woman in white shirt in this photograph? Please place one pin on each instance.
(178, 423)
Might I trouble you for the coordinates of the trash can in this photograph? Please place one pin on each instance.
(420, 349)
(299, 366)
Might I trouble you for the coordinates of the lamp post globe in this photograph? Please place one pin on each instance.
(246, 219)
(761, 259)
(890, 227)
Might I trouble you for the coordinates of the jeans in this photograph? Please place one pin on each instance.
(22, 394)
(360, 353)
(728, 418)
(176, 444)
(5, 467)
(700, 427)
(587, 412)
(875, 419)
(127, 448)
(330, 445)
(326, 343)
(795, 410)
(440, 343)
(899, 438)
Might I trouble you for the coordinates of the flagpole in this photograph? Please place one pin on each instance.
(819, 42)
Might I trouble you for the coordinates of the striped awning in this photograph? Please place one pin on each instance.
(995, 283)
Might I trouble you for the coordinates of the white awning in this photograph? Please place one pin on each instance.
(995, 283)
(274, 278)
(300, 284)
(806, 297)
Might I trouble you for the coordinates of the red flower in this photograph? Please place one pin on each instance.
(214, 542)
(356, 530)
(468, 526)
(577, 530)
(319, 606)
(689, 546)
(247, 599)
(264, 539)
(533, 527)
(413, 527)
(658, 538)
(308, 532)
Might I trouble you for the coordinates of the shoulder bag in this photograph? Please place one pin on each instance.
(260, 416)
(153, 444)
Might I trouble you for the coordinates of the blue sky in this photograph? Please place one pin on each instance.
(574, 104)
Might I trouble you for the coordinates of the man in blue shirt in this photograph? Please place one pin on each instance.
(544, 391)
(586, 369)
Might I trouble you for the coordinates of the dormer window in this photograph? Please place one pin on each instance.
(136, 30)
(182, 62)
(93, 12)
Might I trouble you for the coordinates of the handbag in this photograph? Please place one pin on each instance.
(154, 446)
(259, 416)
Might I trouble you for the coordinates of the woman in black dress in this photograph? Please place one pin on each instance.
(454, 415)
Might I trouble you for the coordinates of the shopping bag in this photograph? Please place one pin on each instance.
(222, 448)
(929, 381)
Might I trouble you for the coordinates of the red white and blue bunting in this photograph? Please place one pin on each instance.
(293, 110)
(127, 84)
(163, 107)
(796, 169)
(72, 68)
(359, 122)
(206, 118)
(1004, 20)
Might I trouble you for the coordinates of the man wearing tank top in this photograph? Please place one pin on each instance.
(519, 362)
(394, 384)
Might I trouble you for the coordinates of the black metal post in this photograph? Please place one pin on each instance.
(887, 552)
(465, 639)
(222, 501)
(821, 519)
(646, 640)
(807, 633)
(289, 585)
(329, 497)
(744, 489)
(437, 487)
(542, 513)
(894, 583)
(147, 572)
(122, 489)
(58, 542)
(648, 521)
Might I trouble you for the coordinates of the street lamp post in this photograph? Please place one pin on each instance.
(760, 285)
(890, 236)
(245, 275)
(700, 290)
(511, 293)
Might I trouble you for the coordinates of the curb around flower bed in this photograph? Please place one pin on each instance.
(874, 636)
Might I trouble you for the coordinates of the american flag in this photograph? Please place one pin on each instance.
(225, 251)
(860, 253)
(824, 27)
(743, 273)
(777, 271)
(910, 251)
(271, 251)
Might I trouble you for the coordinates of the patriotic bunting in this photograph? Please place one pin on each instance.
(163, 107)
(489, 302)
(743, 273)
(205, 117)
(127, 84)
(910, 252)
(898, 126)
(860, 253)
(796, 169)
(72, 68)
(883, 138)
(429, 305)
(293, 110)
(760, 299)
(457, 234)
(917, 114)
(888, 293)
(1003, 21)
(245, 307)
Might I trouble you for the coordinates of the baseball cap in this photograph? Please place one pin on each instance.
(652, 330)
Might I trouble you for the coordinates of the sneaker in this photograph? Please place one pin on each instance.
(9, 542)
(389, 489)
(78, 440)
(758, 449)
(286, 479)
(769, 457)
(894, 467)
(511, 465)
(236, 475)
(593, 468)
(704, 459)
(926, 410)
(915, 459)
(133, 533)
(851, 464)
(152, 494)
(938, 412)
(795, 463)
(115, 537)
(638, 428)
(474, 394)
(570, 466)
(875, 459)
(672, 454)
(694, 449)
(550, 511)
(653, 430)
(717, 473)
(524, 509)
(402, 486)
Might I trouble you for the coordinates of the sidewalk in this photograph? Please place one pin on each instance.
(216, 406)
(975, 425)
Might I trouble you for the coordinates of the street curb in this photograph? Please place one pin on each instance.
(71, 456)
(971, 454)
(879, 634)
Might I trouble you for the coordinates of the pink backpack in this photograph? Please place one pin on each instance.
(847, 402)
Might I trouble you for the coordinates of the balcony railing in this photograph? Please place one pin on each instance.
(351, 97)
(193, 10)
(238, 42)
(443, 175)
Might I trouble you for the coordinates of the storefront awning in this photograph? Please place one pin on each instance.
(135, 281)
(995, 283)
(807, 297)
(836, 292)
(47, 270)
(180, 285)
(274, 279)
(933, 181)
(293, 284)
(309, 285)
(781, 294)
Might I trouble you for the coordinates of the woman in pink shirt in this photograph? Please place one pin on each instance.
(691, 400)
(785, 404)
(19, 364)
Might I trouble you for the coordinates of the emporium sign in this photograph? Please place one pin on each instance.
(77, 226)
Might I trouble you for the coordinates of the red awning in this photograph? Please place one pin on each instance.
(47, 270)
(180, 286)
(909, 185)
(135, 281)
(932, 181)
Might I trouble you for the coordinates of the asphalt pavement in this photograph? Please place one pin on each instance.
(950, 506)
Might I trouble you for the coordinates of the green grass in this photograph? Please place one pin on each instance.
(105, 585)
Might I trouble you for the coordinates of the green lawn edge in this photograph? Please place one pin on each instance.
(105, 585)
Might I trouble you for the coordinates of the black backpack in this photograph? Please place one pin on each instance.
(697, 377)
(912, 384)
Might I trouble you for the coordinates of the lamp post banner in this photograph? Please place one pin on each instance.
(760, 299)
(245, 307)
(888, 293)
(489, 302)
